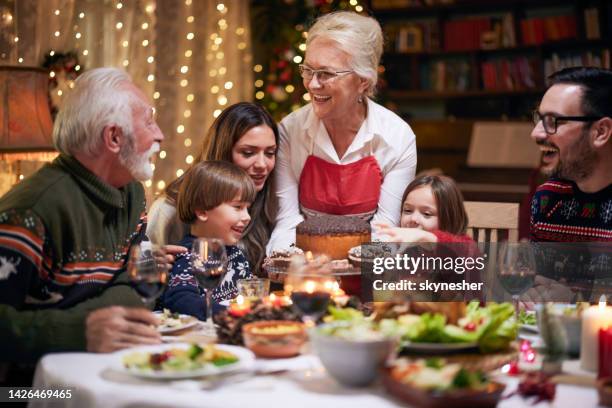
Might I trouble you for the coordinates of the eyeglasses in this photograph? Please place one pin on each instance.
(323, 75)
(550, 121)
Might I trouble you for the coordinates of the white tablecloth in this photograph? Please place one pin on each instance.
(95, 383)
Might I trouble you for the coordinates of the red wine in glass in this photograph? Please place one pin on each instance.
(147, 269)
(311, 304)
(209, 265)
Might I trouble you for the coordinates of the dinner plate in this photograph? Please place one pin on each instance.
(246, 360)
(532, 328)
(438, 348)
(186, 321)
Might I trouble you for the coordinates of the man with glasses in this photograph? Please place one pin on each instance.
(573, 127)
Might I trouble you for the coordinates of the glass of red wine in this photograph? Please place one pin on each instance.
(209, 265)
(516, 269)
(148, 269)
(310, 290)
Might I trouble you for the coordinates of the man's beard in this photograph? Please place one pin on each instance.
(139, 166)
(580, 161)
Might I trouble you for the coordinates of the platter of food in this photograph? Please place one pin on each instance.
(434, 383)
(173, 322)
(181, 360)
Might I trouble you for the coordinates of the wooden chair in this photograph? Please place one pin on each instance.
(489, 223)
(492, 222)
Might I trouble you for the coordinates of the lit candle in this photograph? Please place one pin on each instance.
(593, 319)
(605, 353)
(310, 286)
(239, 307)
(278, 299)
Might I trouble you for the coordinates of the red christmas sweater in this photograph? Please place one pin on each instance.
(560, 212)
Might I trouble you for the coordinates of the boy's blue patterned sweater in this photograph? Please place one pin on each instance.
(183, 295)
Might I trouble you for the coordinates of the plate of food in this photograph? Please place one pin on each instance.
(528, 321)
(436, 384)
(182, 360)
(490, 328)
(172, 322)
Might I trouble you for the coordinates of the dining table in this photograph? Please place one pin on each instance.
(95, 380)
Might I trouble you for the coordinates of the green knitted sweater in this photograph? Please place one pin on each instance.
(64, 235)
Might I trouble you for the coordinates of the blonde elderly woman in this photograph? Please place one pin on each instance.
(342, 153)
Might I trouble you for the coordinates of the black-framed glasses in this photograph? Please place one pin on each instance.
(323, 75)
(550, 121)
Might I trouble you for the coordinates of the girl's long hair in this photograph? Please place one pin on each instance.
(451, 211)
(225, 131)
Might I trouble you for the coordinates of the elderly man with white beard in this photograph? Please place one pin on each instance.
(65, 231)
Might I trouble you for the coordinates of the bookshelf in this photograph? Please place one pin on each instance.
(484, 59)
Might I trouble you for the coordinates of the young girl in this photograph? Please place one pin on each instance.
(244, 134)
(432, 211)
(213, 200)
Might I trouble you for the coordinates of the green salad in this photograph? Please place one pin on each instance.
(492, 327)
(526, 317)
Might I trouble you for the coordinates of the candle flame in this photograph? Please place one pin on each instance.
(240, 300)
(308, 256)
(602, 302)
(272, 297)
(310, 286)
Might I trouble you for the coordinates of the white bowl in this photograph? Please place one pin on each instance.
(352, 363)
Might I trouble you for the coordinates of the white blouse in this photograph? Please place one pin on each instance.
(393, 144)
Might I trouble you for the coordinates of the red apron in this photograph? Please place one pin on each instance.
(341, 189)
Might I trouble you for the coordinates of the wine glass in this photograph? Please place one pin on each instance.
(148, 268)
(516, 271)
(310, 290)
(209, 265)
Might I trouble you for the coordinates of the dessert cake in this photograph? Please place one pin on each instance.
(281, 258)
(332, 235)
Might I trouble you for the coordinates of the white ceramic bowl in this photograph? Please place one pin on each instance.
(352, 363)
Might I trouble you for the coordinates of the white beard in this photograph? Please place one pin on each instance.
(139, 166)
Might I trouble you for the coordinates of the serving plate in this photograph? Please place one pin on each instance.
(246, 360)
(167, 323)
(438, 348)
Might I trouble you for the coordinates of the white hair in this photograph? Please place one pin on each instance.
(359, 36)
(99, 99)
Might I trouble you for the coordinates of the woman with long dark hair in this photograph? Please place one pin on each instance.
(244, 134)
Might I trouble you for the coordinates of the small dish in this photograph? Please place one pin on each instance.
(274, 338)
(172, 322)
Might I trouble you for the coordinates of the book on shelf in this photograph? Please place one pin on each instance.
(539, 30)
(444, 75)
(591, 23)
(508, 74)
(417, 36)
(558, 61)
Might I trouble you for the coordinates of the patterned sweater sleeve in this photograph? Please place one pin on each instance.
(24, 266)
(183, 294)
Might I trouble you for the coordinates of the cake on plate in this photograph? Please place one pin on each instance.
(332, 235)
